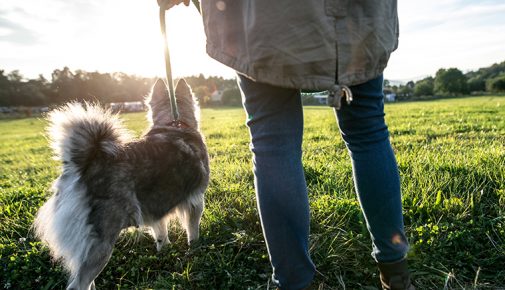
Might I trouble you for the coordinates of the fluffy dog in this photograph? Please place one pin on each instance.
(110, 181)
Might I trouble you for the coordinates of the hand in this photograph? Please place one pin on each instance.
(167, 4)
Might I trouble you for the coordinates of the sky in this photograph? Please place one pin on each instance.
(38, 36)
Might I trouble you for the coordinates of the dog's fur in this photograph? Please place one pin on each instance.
(110, 181)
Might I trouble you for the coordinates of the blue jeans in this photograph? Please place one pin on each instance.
(275, 121)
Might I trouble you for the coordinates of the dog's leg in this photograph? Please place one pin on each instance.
(98, 256)
(189, 213)
(160, 233)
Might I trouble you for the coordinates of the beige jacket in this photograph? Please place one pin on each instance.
(307, 44)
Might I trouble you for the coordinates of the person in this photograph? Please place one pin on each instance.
(280, 47)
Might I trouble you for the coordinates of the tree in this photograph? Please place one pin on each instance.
(100, 86)
(31, 94)
(131, 88)
(95, 86)
(5, 89)
(62, 86)
(16, 91)
(202, 95)
(424, 87)
(450, 82)
(404, 92)
(231, 97)
(496, 84)
(476, 84)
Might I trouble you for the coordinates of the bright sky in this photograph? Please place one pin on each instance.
(38, 36)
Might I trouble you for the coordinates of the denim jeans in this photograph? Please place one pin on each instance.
(275, 121)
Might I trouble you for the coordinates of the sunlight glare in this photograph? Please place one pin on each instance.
(138, 47)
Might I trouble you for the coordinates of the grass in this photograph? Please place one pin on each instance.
(451, 155)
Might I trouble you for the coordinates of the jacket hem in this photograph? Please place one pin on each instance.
(312, 82)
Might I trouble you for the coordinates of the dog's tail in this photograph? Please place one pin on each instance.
(83, 134)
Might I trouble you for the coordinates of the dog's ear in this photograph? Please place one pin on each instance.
(159, 104)
(159, 92)
(188, 109)
(182, 89)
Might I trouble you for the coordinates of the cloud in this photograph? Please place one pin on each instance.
(422, 15)
(449, 33)
(111, 35)
(16, 33)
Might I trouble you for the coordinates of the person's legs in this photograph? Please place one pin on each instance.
(375, 171)
(275, 121)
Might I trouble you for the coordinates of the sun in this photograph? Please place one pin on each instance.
(106, 36)
(137, 44)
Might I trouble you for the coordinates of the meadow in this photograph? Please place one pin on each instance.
(451, 156)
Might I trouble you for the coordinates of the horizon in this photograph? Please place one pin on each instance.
(162, 76)
(37, 38)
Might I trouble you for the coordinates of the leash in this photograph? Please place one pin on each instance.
(168, 67)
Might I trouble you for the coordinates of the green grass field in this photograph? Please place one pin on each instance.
(451, 155)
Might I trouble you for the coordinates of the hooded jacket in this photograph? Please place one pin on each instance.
(306, 44)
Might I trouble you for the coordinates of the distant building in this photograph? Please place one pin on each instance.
(321, 97)
(216, 96)
(390, 97)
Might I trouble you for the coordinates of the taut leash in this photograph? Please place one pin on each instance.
(168, 67)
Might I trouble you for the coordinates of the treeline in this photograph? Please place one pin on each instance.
(67, 85)
(453, 82)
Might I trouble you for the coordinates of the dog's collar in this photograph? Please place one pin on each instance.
(178, 124)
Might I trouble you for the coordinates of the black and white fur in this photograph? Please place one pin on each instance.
(110, 181)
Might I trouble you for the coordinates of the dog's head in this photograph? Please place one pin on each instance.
(160, 112)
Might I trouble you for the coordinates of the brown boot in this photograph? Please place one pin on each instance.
(395, 276)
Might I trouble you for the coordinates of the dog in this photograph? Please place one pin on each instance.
(111, 181)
